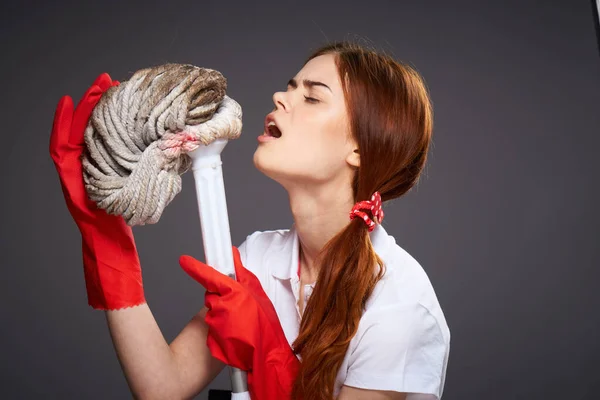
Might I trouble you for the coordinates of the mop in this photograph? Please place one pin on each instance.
(144, 134)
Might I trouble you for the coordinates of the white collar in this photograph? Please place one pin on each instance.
(284, 262)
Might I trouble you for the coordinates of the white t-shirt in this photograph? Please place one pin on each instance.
(403, 341)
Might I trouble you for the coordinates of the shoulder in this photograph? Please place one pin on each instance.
(265, 239)
(262, 249)
(260, 243)
(403, 340)
(405, 291)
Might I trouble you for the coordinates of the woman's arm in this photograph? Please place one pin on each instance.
(154, 369)
(352, 393)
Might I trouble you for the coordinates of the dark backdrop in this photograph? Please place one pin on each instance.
(504, 220)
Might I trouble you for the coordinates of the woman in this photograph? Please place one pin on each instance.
(357, 310)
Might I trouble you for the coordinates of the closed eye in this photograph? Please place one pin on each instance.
(311, 100)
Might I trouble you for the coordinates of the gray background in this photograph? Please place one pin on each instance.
(503, 220)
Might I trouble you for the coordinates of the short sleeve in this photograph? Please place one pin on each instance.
(400, 349)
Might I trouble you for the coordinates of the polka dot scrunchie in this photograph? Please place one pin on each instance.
(374, 205)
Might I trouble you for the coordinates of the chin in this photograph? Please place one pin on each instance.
(271, 168)
(281, 170)
(261, 164)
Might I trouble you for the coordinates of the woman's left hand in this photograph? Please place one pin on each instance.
(244, 330)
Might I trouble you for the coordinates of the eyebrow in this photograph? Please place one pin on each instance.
(307, 83)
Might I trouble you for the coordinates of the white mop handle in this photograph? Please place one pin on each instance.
(240, 396)
(214, 222)
(212, 206)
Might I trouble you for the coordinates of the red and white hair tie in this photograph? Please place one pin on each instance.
(374, 205)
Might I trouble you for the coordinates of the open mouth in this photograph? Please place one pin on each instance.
(273, 130)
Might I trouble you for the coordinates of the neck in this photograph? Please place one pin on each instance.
(319, 214)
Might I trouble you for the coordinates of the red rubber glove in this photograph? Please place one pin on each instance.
(113, 276)
(244, 330)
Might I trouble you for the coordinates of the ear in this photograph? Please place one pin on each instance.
(354, 158)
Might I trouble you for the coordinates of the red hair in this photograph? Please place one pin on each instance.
(391, 119)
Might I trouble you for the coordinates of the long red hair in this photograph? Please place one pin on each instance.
(391, 119)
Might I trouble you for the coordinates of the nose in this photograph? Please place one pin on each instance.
(280, 101)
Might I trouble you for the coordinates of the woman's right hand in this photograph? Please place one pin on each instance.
(112, 269)
(244, 330)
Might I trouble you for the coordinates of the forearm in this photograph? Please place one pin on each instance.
(147, 361)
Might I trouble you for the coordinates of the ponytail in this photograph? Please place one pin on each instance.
(346, 279)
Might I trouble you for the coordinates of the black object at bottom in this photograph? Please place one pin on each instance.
(215, 394)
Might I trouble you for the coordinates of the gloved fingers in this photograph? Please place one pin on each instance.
(82, 114)
(103, 81)
(61, 128)
(244, 276)
(86, 105)
(211, 279)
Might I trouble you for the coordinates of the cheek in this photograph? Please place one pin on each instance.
(321, 151)
(323, 129)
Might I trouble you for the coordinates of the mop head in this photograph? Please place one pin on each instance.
(140, 132)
